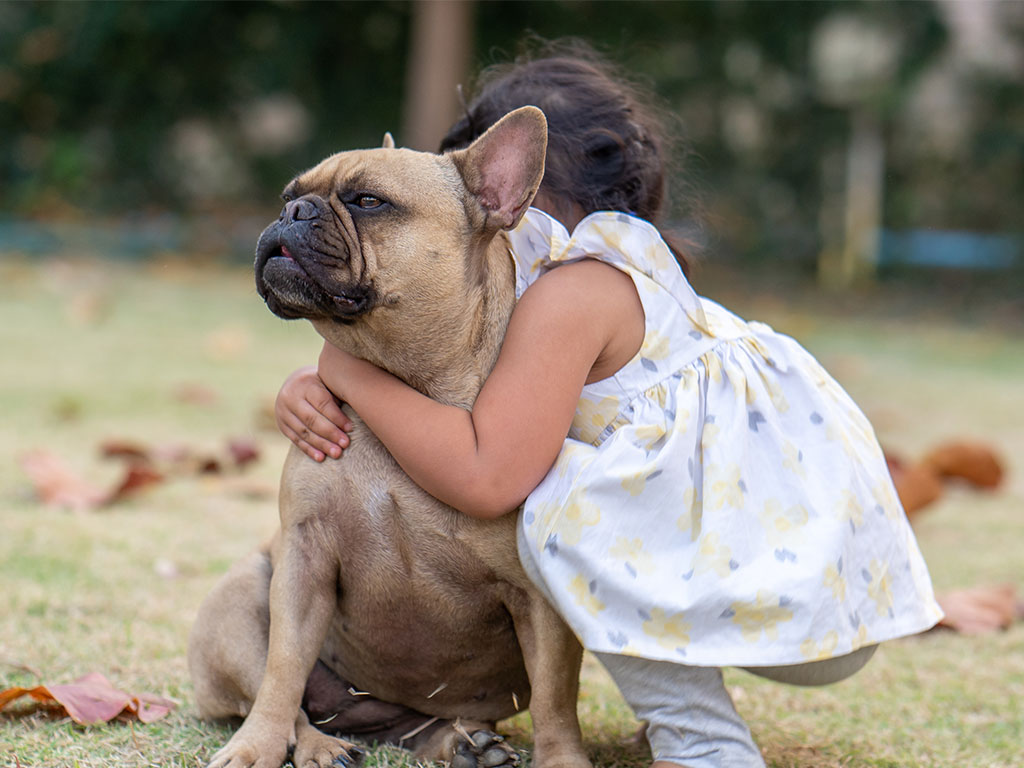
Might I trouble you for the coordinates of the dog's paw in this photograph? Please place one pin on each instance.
(314, 749)
(239, 753)
(484, 749)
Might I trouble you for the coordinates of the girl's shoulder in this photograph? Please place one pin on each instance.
(628, 242)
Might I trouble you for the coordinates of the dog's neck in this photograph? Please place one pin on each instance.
(449, 358)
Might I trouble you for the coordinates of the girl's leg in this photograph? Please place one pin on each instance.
(822, 672)
(691, 718)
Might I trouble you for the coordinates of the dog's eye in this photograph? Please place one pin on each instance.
(369, 201)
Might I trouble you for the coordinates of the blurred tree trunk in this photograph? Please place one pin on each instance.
(439, 54)
(856, 260)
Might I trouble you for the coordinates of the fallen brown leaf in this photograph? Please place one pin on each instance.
(57, 485)
(243, 451)
(92, 699)
(979, 610)
(125, 449)
(975, 463)
(136, 476)
(144, 465)
(916, 485)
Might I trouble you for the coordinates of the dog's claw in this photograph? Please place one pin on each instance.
(493, 757)
(483, 739)
(484, 749)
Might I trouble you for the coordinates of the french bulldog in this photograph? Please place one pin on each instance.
(400, 258)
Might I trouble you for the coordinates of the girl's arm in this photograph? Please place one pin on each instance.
(578, 323)
(309, 416)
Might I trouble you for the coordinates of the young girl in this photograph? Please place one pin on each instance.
(719, 500)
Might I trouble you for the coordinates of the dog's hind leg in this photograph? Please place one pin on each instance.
(227, 648)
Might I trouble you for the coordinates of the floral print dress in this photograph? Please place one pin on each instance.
(720, 500)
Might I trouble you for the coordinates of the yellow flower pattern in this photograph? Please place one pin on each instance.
(650, 434)
(576, 516)
(690, 520)
(584, 597)
(727, 488)
(762, 615)
(656, 346)
(720, 499)
(880, 587)
(592, 416)
(669, 631)
(835, 582)
(712, 555)
(793, 459)
(812, 651)
(849, 508)
(632, 552)
(782, 526)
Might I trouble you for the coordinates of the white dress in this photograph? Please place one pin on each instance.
(720, 500)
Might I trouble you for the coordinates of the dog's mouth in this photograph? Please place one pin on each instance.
(295, 287)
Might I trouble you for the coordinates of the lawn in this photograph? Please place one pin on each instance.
(184, 353)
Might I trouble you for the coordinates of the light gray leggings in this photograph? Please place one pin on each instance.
(690, 715)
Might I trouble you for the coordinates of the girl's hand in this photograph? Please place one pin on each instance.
(310, 416)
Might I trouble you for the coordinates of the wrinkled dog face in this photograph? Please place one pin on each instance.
(371, 229)
(354, 231)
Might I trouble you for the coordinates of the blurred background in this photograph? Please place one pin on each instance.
(853, 173)
(840, 142)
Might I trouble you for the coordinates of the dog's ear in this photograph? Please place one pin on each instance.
(504, 167)
(389, 141)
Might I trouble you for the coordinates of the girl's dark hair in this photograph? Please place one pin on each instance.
(607, 149)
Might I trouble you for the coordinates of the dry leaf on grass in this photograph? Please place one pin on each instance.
(916, 485)
(92, 699)
(975, 463)
(243, 451)
(174, 459)
(57, 485)
(980, 610)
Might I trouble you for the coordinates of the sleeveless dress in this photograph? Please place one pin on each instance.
(720, 500)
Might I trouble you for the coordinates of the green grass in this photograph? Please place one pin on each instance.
(95, 350)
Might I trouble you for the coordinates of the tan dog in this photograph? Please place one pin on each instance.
(399, 257)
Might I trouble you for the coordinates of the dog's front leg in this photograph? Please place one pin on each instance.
(303, 597)
(553, 656)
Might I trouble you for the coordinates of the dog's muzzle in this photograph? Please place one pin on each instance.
(295, 284)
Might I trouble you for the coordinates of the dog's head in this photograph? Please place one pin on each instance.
(370, 230)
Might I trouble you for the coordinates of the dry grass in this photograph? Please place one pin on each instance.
(95, 350)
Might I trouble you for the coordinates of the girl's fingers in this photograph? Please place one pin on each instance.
(323, 428)
(329, 408)
(310, 451)
(317, 432)
(302, 445)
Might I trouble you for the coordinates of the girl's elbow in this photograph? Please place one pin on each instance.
(488, 502)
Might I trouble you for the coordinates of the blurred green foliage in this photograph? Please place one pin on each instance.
(115, 106)
(91, 93)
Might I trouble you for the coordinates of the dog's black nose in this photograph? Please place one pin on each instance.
(302, 209)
